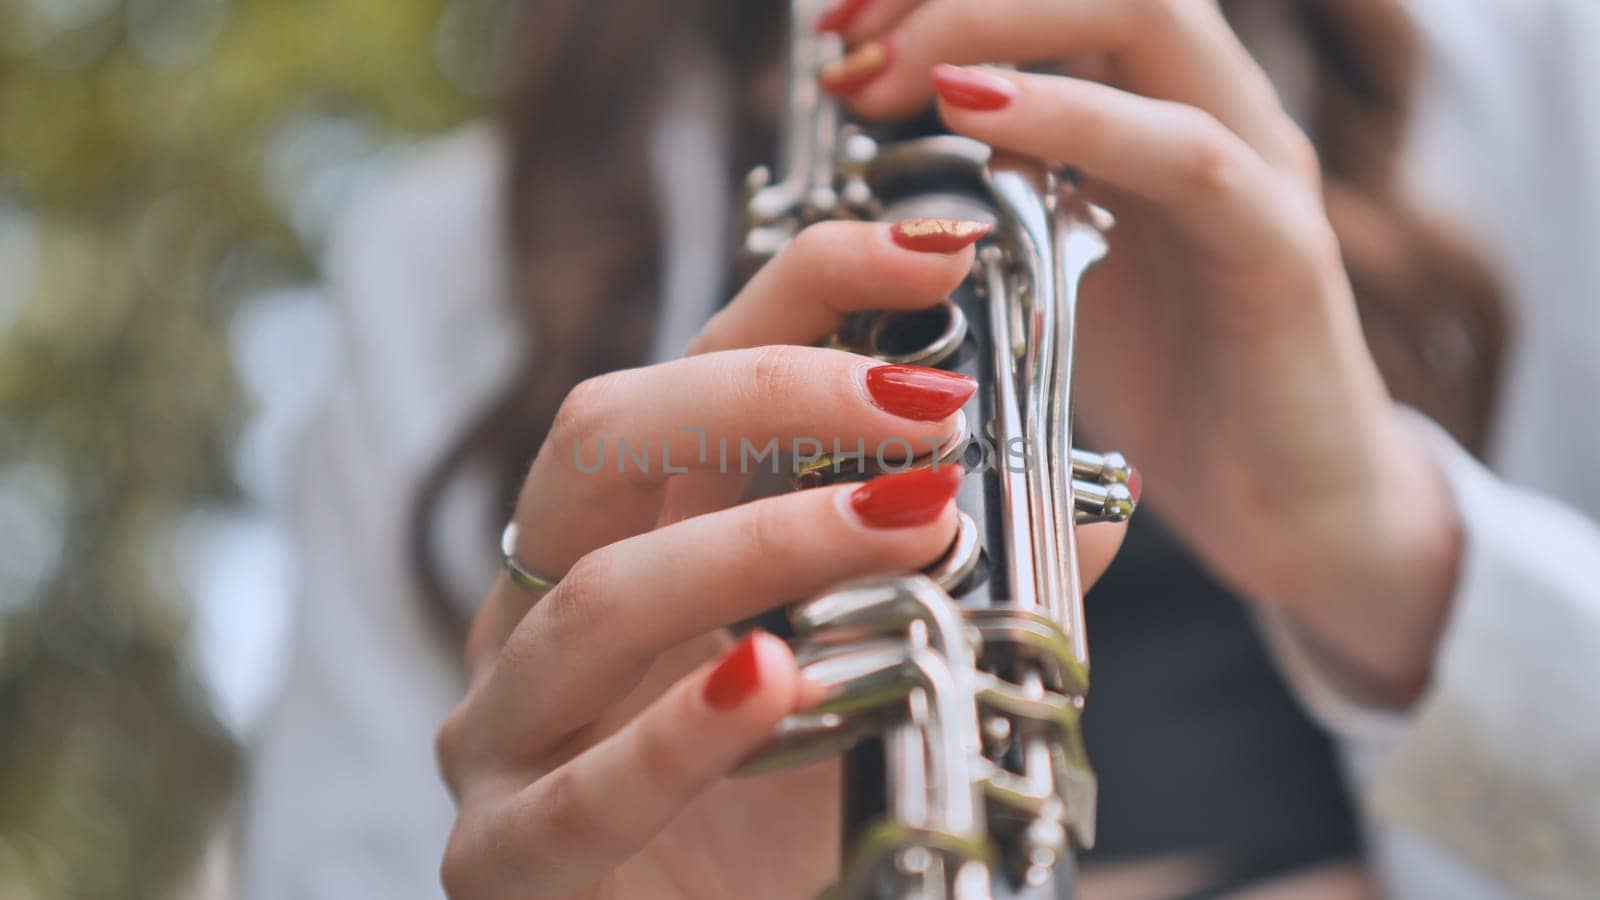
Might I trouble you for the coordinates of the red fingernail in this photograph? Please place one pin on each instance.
(973, 89)
(909, 498)
(736, 677)
(866, 62)
(913, 392)
(938, 235)
(1135, 484)
(839, 16)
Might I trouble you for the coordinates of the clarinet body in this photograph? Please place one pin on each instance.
(955, 693)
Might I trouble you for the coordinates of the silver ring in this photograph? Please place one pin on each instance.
(521, 574)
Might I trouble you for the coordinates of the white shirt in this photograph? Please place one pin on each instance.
(1489, 787)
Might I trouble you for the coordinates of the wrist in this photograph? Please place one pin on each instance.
(1382, 567)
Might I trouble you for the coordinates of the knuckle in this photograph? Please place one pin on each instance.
(483, 638)
(1158, 11)
(814, 241)
(814, 255)
(459, 867)
(775, 374)
(583, 409)
(974, 20)
(561, 816)
(770, 534)
(1183, 13)
(1301, 155)
(447, 747)
(659, 758)
(1314, 240)
(583, 601)
(1213, 161)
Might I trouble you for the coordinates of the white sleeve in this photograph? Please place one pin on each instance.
(344, 796)
(1498, 765)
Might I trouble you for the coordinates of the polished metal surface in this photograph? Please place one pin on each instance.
(521, 575)
(956, 693)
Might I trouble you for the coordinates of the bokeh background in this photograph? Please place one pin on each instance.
(169, 173)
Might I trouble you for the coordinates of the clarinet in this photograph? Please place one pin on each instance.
(955, 693)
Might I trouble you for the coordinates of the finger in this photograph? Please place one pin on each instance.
(618, 438)
(699, 493)
(861, 20)
(1097, 547)
(1099, 542)
(600, 808)
(596, 811)
(1179, 50)
(833, 269)
(1176, 156)
(586, 644)
(829, 271)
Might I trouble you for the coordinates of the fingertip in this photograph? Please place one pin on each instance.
(920, 394)
(1098, 544)
(905, 521)
(864, 66)
(774, 653)
(914, 498)
(943, 236)
(757, 677)
(781, 671)
(979, 89)
(925, 259)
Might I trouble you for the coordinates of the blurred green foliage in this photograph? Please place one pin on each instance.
(132, 136)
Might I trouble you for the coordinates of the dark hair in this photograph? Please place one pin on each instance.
(579, 106)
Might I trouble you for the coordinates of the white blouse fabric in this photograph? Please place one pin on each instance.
(1488, 787)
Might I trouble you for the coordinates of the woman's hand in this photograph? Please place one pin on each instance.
(1220, 346)
(590, 755)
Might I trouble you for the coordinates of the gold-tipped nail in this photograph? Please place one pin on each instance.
(863, 64)
(938, 235)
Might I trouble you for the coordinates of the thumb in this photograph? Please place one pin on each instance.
(1098, 543)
